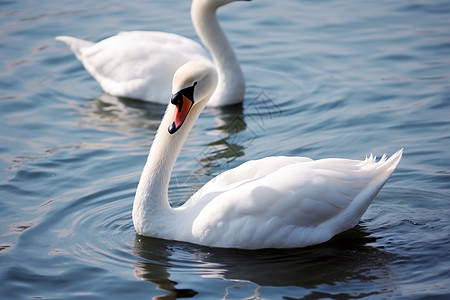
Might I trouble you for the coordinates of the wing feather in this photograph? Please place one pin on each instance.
(138, 64)
(292, 201)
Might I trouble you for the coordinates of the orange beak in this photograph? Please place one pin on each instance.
(182, 109)
(183, 100)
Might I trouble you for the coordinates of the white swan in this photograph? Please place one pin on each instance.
(141, 64)
(275, 202)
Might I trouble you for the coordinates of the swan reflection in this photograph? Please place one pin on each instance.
(349, 257)
(124, 115)
(155, 268)
(225, 145)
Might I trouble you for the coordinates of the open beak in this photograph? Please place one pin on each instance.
(183, 100)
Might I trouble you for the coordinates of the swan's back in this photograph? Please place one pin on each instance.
(298, 204)
(136, 64)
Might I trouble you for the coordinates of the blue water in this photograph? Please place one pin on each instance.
(324, 79)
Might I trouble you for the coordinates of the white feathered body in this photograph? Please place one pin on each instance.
(136, 64)
(278, 202)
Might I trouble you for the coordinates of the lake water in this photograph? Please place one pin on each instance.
(324, 79)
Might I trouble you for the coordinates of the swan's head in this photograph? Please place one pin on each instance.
(193, 84)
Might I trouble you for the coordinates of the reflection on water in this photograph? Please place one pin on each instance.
(348, 258)
(156, 267)
(224, 147)
(126, 114)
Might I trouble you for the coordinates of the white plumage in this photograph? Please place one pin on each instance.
(141, 64)
(274, 202)
(295, 202)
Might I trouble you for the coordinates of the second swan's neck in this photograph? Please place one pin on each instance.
(231, 84)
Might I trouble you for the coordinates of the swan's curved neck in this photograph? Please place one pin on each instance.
(151, 199)
(231, 84)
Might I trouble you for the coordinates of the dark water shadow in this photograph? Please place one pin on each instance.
(126, 114)
(224, 146)
(347, 257)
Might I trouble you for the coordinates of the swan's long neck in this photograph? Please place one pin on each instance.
(151, 199)
(231, 84)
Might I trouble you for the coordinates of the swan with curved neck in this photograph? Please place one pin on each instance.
(274, 202)
(141, 64)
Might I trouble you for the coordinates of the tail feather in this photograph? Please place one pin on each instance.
(383, 163)
(393, 161)
(75, 44)
(384, 169)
